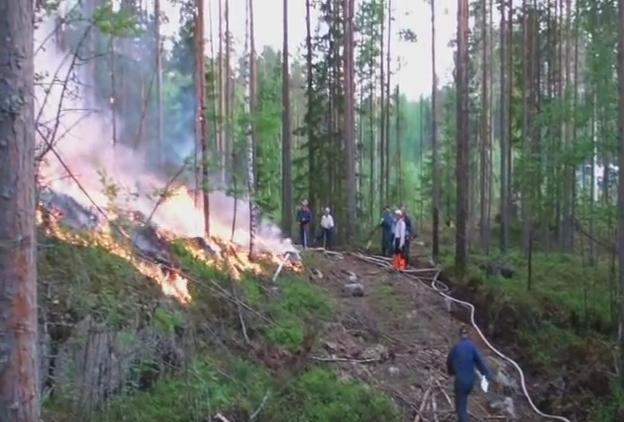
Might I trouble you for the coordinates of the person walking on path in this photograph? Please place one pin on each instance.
(304, 217)
(327, 225)
(461, 363)
(386, 224)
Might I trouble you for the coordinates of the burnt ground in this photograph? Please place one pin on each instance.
(396, 338)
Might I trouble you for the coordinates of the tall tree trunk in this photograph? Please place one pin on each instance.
(382, 114)
(312, 188)
(510, 80)
(527, 83)
(463, 145)
(287, 200)
(349, 120)
(434, 144)
(221, 138)
(229, 143)
(200, 116)
(19, 368)
(621, 176)
(485, 132)
(159, 98)
(504, 136)
(251, 138)
(388, 100)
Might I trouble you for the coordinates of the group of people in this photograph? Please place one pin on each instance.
(397, 233)
(304, 219)
(464, 358)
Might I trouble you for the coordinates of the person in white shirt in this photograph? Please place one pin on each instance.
(327, 225)
(400, 236)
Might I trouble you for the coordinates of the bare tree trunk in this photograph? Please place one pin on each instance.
(159, 99)
(19, 368)
(463, 145)
(485, 131)
(388, 99)
(221, 132)
(309, 93)
(349, 120)
(200, 117)
(287, 199)
(252, 139)
(509, 161)
(621, 176)
(229, 143)
(382, 115)
(504, 137)
(434, 144)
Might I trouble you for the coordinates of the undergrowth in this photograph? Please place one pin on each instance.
(237, 388)
(564, 320)
(77, 281)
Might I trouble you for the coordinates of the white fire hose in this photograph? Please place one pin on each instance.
(442, 290)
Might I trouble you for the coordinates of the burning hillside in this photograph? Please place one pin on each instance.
(131, 236)
(95, 189)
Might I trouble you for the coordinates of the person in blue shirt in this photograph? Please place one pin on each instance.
(304, 217)
(461, 363)
(387, 227)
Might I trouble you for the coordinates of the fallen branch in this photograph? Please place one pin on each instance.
(221, 418)
(281, 265)
(255, 414)
(339, 359)
(422, 405)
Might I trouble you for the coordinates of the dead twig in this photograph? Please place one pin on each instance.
(221, 418)
(339, 359)
(422, 405)
(165, 193)
(255, 414)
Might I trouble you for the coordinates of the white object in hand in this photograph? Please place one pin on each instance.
(484, 384)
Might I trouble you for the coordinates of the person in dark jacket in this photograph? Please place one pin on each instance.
(386, 224)
(461, 363)
(304, 217)
(409, 234)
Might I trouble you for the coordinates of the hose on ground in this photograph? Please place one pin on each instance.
(443, 290)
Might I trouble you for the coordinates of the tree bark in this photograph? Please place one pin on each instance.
(462, 171)
(382, 114)
(252, 140)
(200, 117)
(159, 99)
(388, 100)
(349, 119)
(19, 369)
(287, 199)
(221, 136)
(309, 94)
(485, 132)
(621, 176)
(504, 137)
(434, 144)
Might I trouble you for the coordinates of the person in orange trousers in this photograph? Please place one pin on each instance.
(399, 261)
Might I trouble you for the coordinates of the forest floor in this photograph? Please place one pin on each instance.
(408, 326)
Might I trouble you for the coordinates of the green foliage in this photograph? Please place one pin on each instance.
(323, 398)
(298, 302)
(91, 281)
(123, 22)
(236, 388)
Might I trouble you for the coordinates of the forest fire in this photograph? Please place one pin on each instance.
(133, 237)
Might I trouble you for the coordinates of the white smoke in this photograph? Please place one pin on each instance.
(87, 149)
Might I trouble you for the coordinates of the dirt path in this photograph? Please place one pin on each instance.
(396, 338)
